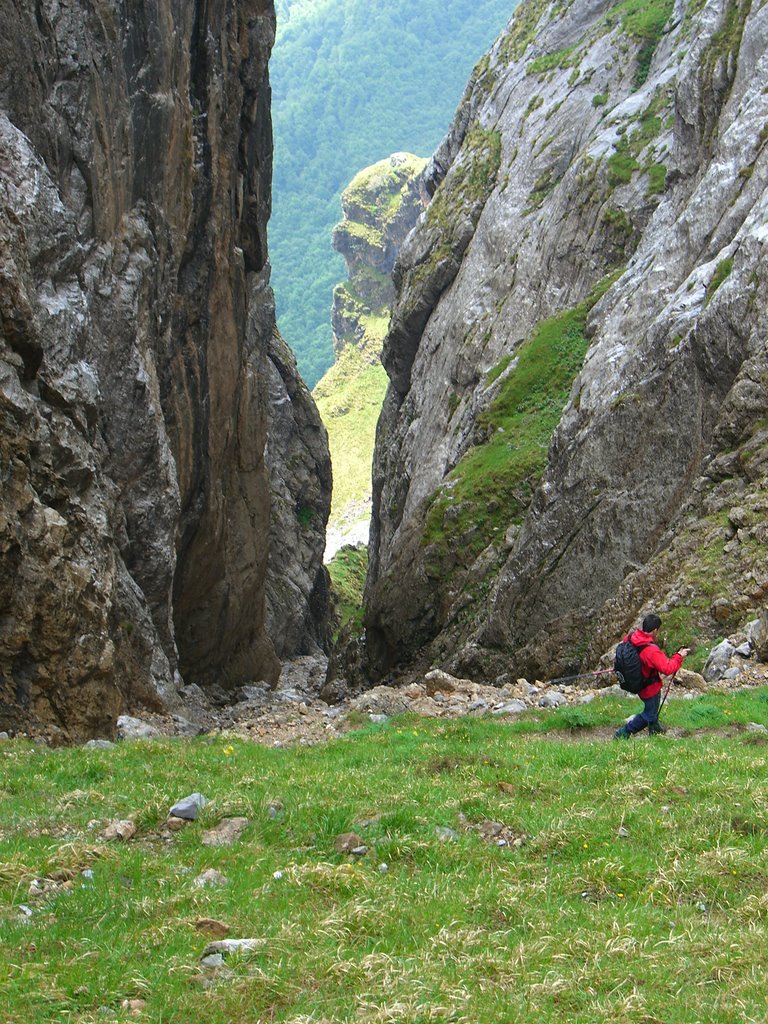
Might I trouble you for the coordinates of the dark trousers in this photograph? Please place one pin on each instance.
(647, 716)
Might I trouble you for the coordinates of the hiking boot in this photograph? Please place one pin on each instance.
(654, 729)
(622, 734)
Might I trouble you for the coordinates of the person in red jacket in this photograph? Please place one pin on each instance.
(654, 663)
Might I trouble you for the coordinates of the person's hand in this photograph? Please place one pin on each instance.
(685, 651)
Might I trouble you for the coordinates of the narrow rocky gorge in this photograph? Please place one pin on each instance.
(140, 379)
(574, 429)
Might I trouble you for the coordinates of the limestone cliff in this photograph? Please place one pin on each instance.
(574, 429)
(135, 168)
(381, 205)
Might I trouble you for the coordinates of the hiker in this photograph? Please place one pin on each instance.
(653, 662)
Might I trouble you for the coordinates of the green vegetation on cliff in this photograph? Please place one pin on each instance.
(349, 399)
(347, 570)
(492, 485)
(351, 83)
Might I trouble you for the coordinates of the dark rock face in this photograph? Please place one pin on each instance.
(298, 597)
(577, 157)
(135, 168)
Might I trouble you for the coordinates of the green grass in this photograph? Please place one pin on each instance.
(632, 889)
(349, 399)
(347, 571)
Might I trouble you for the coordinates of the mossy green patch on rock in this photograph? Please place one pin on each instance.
(465, 189)
(347, 570)
(491, 486)
(722, 270)
(522, 30)
(561, 59)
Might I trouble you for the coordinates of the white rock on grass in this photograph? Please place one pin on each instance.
(512, 707)
(129, 728)
(553, 699)
(120, 830)
(189, 807)
(226, 946)
(227, 832)
(718, 661)
(210, 879)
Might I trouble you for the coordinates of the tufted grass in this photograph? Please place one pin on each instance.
(637, 891)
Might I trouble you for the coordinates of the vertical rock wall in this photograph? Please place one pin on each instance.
(601, 195)
(135, 169)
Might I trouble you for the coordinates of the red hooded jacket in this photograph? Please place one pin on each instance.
(653, 661)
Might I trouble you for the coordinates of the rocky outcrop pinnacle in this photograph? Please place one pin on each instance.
(135, 170)
(574, 430)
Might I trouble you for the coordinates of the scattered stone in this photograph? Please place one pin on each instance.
(360, 851)
(227, 832)
(176, 824)
(718, 661)
(210, 878)
(757, 634)
(690, 680)
(438, 681)
(213, 927)
(4, 736)
(347, 842)
(277, 875)
(553, 699)
(129, 728)
(732, 673)
(212, 962)
(99, 744)
(25, 912)
(227, 946)
(275, 809)
(512, 707)
(478, 705)
(378, 719)
(446, 835)
(586, 698)
(189, 807)
(496, 832)
(183, 726)
(745, 650)
(383, 868)
(135, 1007)
(756, 727)
(122, 830)
(622, 833)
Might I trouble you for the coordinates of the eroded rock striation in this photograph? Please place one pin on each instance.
(574, 429)
(135, 169)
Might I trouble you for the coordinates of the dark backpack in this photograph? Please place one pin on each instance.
(628, 668)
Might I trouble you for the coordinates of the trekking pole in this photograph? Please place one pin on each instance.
(581, 675)
(666, 694)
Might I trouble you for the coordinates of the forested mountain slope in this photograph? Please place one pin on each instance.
(575, 426)
(352, 82)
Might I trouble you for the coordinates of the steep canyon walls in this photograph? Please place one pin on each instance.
(137, 326)
(575, 426)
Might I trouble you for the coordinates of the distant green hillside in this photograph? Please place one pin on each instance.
(353, 81)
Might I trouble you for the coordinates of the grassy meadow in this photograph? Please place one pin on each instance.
(623, 881)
